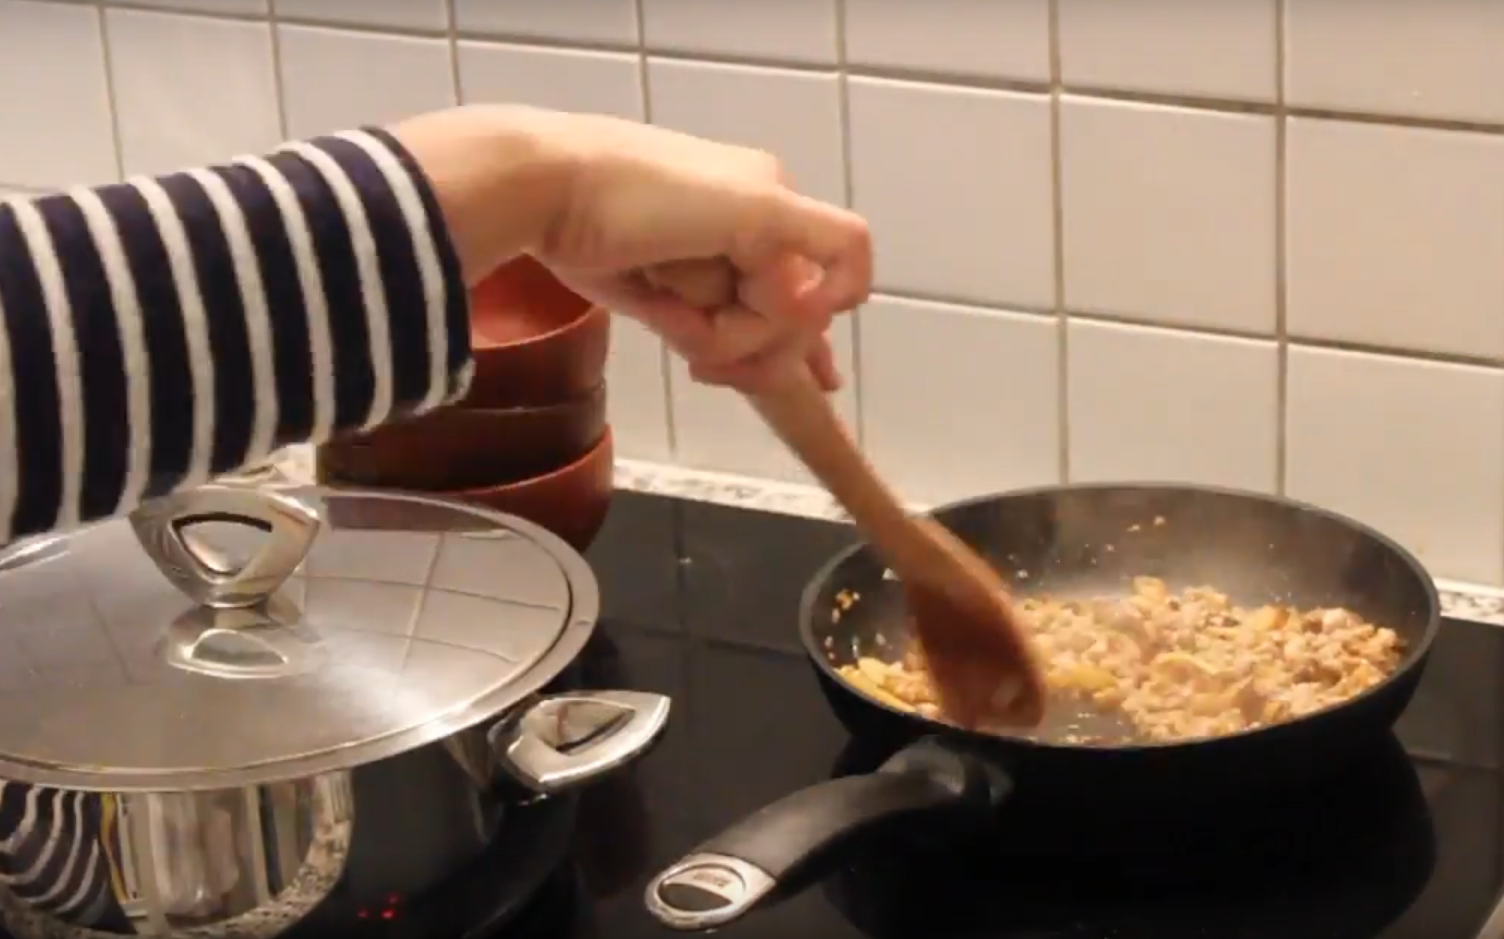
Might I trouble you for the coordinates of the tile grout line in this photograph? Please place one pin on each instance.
(1281, 267)
(953, 80)
(455, 85)
(1287, 339)
(843, 112)
(803, 499)
(272, 24)
(111, 95)
(1280, 113)
(1204, 332)
(1057, 208)
(665, 362)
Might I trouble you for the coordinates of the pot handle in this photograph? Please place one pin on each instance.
(561, 741)
(261, 642)
(205, 575)
(805, 834)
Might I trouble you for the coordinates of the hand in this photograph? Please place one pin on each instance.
(645, 198)
(605, 201)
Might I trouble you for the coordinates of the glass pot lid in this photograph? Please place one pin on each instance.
(227, 635)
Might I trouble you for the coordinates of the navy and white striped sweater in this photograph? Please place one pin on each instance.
(163, 331)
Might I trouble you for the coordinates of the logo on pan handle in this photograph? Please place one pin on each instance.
(706, 890)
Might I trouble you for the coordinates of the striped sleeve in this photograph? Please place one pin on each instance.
(164, 331)
(56, 857)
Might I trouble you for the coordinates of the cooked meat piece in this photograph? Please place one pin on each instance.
(1180, 665)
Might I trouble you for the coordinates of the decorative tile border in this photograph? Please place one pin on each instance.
(1459, 600)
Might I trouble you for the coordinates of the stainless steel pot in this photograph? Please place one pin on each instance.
(337, 704)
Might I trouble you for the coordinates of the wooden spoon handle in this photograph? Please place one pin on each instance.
(982, 664)
(796, 409)
(802, 416)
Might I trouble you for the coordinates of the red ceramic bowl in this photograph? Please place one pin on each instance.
(465, 447)
(570, 502)
(535, 340)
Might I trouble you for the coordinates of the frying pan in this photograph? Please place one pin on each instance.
(1068, 541)
(1348, 856)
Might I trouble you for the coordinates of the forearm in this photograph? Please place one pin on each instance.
(501, 174)
(160, 332)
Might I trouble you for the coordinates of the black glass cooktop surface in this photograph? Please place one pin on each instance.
(701, 602)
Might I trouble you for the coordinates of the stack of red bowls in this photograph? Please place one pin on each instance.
(531, 438)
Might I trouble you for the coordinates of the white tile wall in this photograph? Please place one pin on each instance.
(1438, 59)
(1168, 213)
(190, 89)
(1387, 227)
(563, 79)
(65, 135)
(611, 22)
(956, 185)
(959, 400)
(1148, 403)
(246, 7)
(1258, 243)
(1007, 39)
(784, 30)
(1410, 446)
(397, 14)
(333, 79)
(1173, 47)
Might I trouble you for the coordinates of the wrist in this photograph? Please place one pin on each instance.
(501, 174)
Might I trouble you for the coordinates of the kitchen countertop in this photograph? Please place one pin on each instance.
(1459, 600)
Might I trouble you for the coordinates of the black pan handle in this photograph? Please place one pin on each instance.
(804, 834)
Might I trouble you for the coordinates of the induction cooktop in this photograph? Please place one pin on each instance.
(700, 603)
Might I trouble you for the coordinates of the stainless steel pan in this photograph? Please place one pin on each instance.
(243, 705)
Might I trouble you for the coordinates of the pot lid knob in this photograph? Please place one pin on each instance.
(209, 576)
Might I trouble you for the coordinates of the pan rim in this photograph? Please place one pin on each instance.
(1415, 657)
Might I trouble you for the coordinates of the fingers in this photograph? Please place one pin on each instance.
(781, 293)
(769, 367)
(790, 247)
(683, 325)
(770, 312)
(736, 334)
(761, 371)
(750, 340)
(783, 222)
(822, 364)
(707, 283)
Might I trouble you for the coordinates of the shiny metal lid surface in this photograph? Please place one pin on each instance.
(229, 636)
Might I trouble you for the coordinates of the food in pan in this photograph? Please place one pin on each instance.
(1181, 665)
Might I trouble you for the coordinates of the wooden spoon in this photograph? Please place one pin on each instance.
(983, 666)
